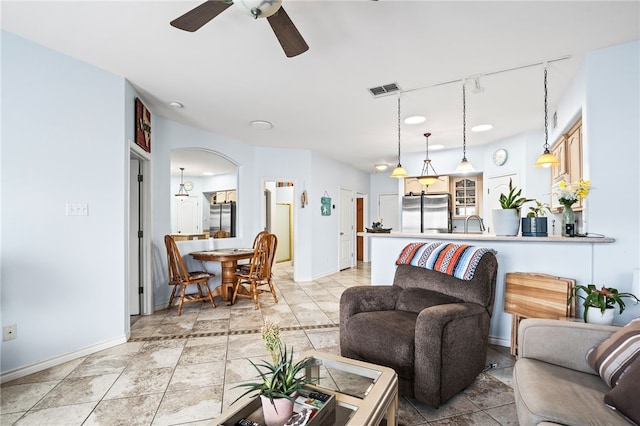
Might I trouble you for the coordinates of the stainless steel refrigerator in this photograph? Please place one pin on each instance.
(426, 213)
(223, 216)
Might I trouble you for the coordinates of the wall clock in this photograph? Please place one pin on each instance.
(143, 126)
(500, 157)
(188, 185)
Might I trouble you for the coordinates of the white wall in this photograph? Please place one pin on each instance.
(611, 124)
(63, 141)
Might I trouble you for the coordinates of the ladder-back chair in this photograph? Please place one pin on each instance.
(180, 277)
(258, 279)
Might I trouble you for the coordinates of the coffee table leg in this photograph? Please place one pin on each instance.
(392, 412)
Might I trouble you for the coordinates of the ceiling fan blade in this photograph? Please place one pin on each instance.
(290, 39)
(197, 17)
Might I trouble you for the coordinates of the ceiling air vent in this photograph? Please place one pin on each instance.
(383, 90)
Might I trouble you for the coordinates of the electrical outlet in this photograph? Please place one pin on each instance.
(9, 332)
(77, 209)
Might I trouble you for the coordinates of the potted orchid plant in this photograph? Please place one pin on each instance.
(603, 299)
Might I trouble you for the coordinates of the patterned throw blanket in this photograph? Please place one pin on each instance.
(458, 260)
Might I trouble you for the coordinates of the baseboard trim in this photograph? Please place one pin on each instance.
(7, 376)
(499, 341)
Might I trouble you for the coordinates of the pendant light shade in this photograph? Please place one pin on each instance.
(547, 159)
(427, 178)
(182, 191)
(465, 166)
(399, 171)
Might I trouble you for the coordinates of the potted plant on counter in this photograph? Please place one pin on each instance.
(506, 220)
(279, 380)
(603, 299)
(535, 224)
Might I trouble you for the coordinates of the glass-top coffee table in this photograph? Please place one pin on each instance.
(366, 394)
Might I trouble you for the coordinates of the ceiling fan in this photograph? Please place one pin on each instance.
(290, 39)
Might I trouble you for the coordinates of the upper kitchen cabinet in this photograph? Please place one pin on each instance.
(568, 150)
(411, 185)
(467, 195)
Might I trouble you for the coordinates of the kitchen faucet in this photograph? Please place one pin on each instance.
(466, 223)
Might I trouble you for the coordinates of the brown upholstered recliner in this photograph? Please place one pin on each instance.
(430, 327)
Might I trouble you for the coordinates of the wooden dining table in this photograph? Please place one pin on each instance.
(228, 259)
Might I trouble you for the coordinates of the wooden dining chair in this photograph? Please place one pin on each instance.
(180, 277)
(221, 233)
(258, 280)
(244, 264)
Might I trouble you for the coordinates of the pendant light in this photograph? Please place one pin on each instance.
(465, 166)
(547, 159)
(425, 178)
(399, 171)
(182, 191)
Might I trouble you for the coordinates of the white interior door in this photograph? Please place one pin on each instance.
(188, 215)
(347, 235)
(498, 185)
(134, 240)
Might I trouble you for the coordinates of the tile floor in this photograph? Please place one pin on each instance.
(182, 369)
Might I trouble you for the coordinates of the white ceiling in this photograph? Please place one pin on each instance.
(233, 71)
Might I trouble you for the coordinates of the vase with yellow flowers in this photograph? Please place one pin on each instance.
(568, 195)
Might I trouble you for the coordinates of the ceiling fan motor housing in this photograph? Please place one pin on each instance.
(259, 8)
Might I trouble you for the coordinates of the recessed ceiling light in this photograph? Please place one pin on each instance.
(381, 167)
(436, 147)
(415, 119)
(261, 124)
(175, 104)
(482, 127)
(207, 173)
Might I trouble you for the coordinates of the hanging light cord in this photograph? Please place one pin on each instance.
(464, 123)
(398, 130)
(546, 127)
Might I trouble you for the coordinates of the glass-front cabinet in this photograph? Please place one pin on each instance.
(467, 193)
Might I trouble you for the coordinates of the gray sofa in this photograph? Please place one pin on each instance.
(552, 381)
(430, 327)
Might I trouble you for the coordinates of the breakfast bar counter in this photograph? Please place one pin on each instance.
(575, 257)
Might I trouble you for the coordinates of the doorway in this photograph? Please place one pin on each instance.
(139, 285)
(347, 235)
(279, 217)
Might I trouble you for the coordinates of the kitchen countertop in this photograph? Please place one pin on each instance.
(489, 237)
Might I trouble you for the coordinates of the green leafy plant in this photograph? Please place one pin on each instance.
(513, 200)
(279, 379)
(606, 297)
(539, 209)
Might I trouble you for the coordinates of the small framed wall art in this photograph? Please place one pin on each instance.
(143, 126)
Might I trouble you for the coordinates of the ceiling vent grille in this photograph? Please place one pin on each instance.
(384, 90)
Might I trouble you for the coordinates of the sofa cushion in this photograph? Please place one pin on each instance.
(612, 357)
(392, 344)
(416, 299)
(547, 392)
(624, 397)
